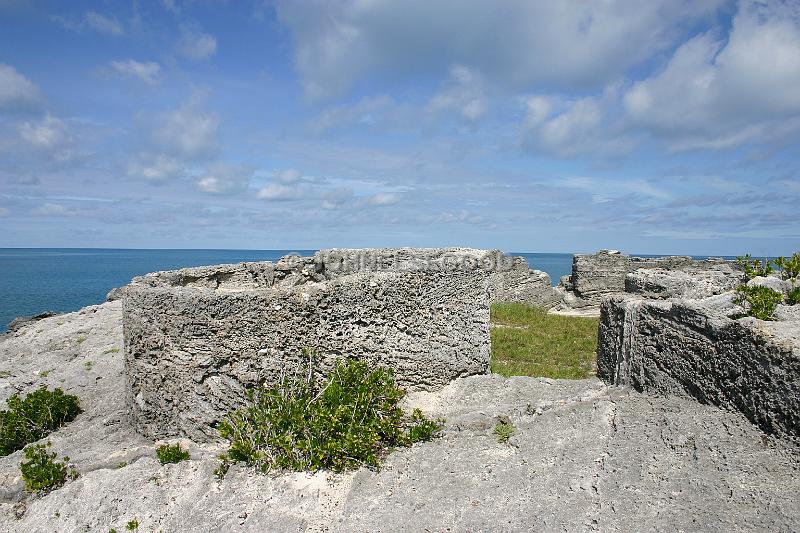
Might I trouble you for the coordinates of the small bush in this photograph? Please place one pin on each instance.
(754, 268)
(758, 301)
(790, 268)
(349, 420)
(133, 525)
(793, 298)
(503, 430)
(171, 454)
(42, 472)
(35, 417)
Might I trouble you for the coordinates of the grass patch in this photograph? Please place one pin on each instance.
(171, 453)
(30, 419)
(115, 349)
(346, 421)
(526, 341)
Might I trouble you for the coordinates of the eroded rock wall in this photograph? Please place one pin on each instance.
(694, 348)
(193, 348)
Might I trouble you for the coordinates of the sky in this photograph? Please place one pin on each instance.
(658, 127)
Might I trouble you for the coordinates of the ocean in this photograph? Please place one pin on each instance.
(35, 280)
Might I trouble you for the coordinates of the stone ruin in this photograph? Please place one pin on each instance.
(196, 339)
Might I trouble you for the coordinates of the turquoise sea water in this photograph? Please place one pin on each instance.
(33, 280)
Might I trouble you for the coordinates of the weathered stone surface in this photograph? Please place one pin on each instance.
(773, 282)
(21, 321)
(660, 283)
(585, 456)
(191, 351)
(694, 348)
(596, 276)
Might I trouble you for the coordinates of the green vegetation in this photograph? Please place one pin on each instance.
(35, 417)
(42, 472)
(87, 365)
(758, 301)
(793, 297)
(503, 430)
(115, 349)
(754, 268)
(133, 525)
(790, 268)
(81, 339)
(346, 421)
(173, 453)
(526, 341)
(5, 374)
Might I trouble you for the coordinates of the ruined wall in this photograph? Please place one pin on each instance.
(694, 348)
(596, 276)
(195, 339)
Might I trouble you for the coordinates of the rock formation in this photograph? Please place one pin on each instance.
(694, 341)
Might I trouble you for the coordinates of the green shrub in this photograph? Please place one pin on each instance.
(753, 267)
(35, 417)
(167, 453)
(503, 430)
(132, 525)
(758, 301)
(790, 268)
(793, 298)
(42, 472)
(349, 420)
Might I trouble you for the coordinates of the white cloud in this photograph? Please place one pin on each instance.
(93, 20)
(4, 212)
(567, 128)
(717, 93)
(577, 45)
(15, 89)
(337, 198)
(147, 72)
(188, 132)
(288, 176)
(464, 94)
(156, 169)
(280, 192)
(225, 179)
(382, 199)
(47, 135)
(54, 210)
(104, 24)
(196, 45)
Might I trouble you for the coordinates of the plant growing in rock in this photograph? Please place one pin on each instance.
(790, 268)
(348, 420)
(793, 298)
(503, 430)
(34, 417)
(758, 301)
(754, 268)
(171, 453)
(41, 470)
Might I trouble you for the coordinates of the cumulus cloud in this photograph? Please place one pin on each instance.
(147, 72)
(156, 169)
(196, 45)
(280, 192)
(719, 93)
(188, 132)
(48, 135)
(16, 91)
(564, 127)
(576, 45)
(464, 94)
(225, 179)
(337, 198)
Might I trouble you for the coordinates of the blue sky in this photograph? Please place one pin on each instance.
(666, 126)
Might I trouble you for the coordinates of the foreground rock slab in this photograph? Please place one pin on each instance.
(584, 457)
